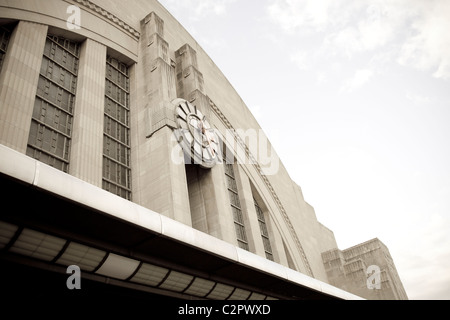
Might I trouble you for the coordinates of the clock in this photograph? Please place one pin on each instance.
(195, 135)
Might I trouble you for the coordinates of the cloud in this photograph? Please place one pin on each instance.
(429, 47)
(197, 9)
(366, 32)
(308, 15)
(414, 31)
(360, 78)
(418, 99)
(424, 262)
(301, 59)
(321, 77)
(191, 12)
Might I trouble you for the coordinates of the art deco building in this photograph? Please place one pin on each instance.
(126, 152)
(348, 270)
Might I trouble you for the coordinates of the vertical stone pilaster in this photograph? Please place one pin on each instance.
(160, 111)
(279, 254)
(160, 86)
(134, 134)
(18, 83)
(217, 204)
(201, 101)
(161, 185)
(189, 78)
(210, 205)
(213, 214)
(198, 210)
(153, 24)
(87, 137)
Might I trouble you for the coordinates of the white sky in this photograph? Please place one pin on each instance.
(354, 96)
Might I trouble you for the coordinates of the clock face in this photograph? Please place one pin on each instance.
(195, 135)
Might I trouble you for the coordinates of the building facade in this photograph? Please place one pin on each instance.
(366, 270)
(120, 100)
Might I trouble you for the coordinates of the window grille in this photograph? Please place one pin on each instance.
(51, 124)
(116, 137)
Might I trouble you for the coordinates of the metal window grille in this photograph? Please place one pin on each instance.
(264, 231)
(116, 137)
(5, 35)
(51, 124)
(236, 207)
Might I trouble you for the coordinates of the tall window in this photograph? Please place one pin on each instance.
(51, 124)
(5, 35)
(116, 138)
(264, 232)
(236, 207)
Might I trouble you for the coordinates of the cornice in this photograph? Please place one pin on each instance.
(90, 6)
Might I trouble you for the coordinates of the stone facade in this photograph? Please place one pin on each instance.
(160, 62)
(366, 270)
